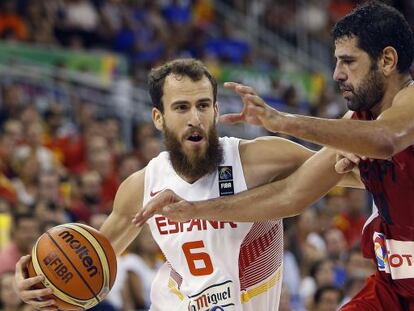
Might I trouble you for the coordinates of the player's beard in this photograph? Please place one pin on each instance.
(199, 163)
(369, 93)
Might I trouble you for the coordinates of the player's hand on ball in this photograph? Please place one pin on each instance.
(168, 204)
(37, 298)
(255, 111)
(346, 162)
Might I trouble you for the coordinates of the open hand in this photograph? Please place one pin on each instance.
(255, 111)
(168, 204)
(37, 298)
(346, 162)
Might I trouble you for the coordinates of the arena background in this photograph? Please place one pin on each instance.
(75, 122)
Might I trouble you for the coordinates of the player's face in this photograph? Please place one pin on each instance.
(360, 81)
(189, 126)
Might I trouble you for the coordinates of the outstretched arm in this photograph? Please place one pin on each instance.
(390, 133)
(283, 198)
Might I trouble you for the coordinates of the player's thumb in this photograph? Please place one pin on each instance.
(231, 118)
(344, 166)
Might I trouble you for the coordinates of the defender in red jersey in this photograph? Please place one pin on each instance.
(374, 48)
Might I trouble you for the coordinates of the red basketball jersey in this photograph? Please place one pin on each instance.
(388, 236)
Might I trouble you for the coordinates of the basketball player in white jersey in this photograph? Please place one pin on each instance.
(211, 265)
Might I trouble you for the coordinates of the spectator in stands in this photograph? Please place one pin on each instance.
(136, 271)
(89, 201)
(150, 148)
(327, 298)
(352, 286)
(24, 232)
(9, 301)
(128, 163)
(78, 22)
(340, 8)
(142, 131)
(100, 159)
(33, 145)
(285, 301)
(11, 103)
(337, 247)
(12, 25)
(50, 205)
(357, 266)
(111, 129)
(352, 220)
(39, 23)
(321, 274)
(228, 46)
(11, 135)
(25, 183)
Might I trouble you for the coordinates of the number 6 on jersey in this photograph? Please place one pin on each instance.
(192, 257)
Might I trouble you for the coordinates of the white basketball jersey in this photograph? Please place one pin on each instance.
(213, 265)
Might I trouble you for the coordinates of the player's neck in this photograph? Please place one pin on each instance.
(188, 179)
(394, 86)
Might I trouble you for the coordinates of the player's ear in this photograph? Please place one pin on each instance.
(216, 112)
(389, 60)
(157, 118)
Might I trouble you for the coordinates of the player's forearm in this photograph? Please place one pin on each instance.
(283, 198)
(367, 138)
(119, 231)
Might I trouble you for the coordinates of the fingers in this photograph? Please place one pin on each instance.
(231, 118)
(43, 304)
(240, 88)
(20, 265)
(35, 296)
(354, 158)
(255, 100)
(180, 212)
(25, 284)
(344, 166)
(154, 206)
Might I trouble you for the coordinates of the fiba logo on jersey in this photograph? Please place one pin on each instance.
(225, 173)
(380, 251)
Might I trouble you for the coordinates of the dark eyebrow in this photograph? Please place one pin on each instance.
(185, 102)
(345, 57)
(180, 102)
(202, 100)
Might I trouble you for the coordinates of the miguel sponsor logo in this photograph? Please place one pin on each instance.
(214, 297)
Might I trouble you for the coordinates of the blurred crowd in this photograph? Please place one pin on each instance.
(57, 167)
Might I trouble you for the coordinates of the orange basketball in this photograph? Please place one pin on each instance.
(78, 263)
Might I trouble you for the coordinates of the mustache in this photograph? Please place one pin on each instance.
(193, 130)
(345, 87)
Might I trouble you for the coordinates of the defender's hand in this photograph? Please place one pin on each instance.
(255, 111)
(168, 204)
(37, 298)
(346, 162)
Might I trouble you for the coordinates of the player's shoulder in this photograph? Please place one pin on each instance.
(266, 141)
(404, 96)
(130, 192)
(134, 180)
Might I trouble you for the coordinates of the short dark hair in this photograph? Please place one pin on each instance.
(19, 217)
(327, 288)
(376, 26)
(192, 68)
